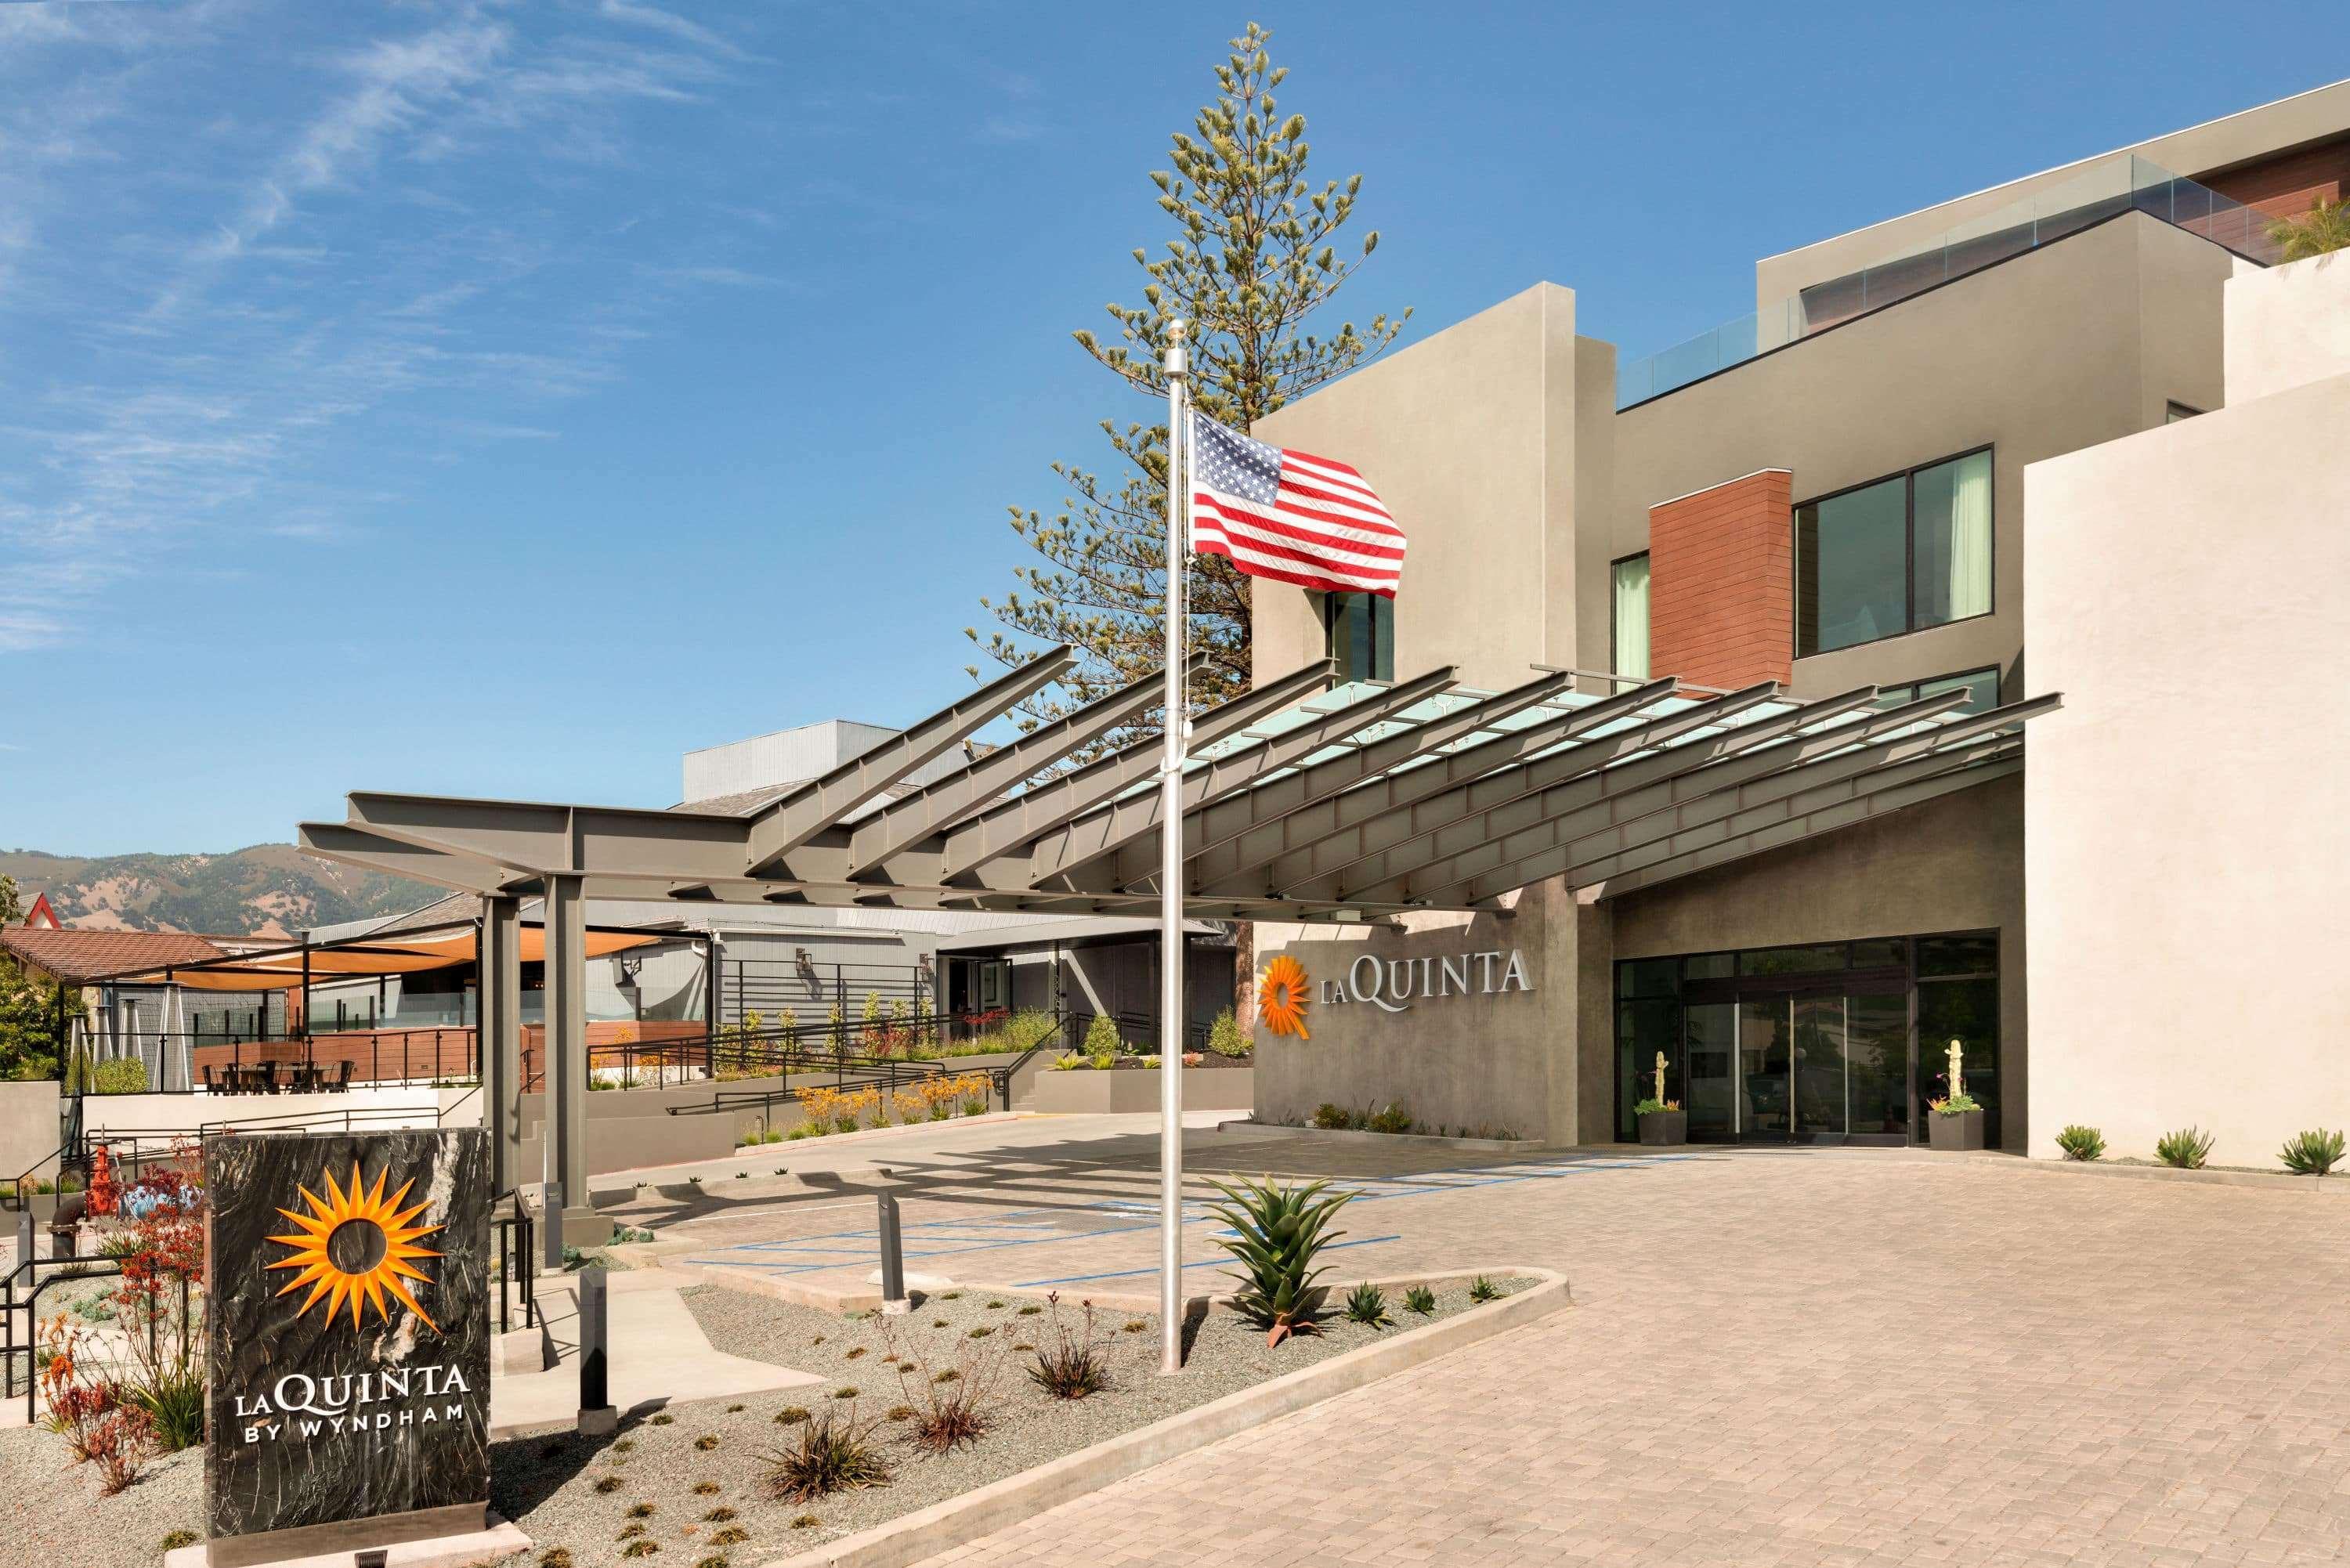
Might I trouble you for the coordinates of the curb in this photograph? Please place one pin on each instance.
(959, 1521)
(2275, 1181)
(1350, 1135)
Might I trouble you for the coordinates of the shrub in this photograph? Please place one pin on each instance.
(1073, 1366)
(609, 1484)
(2082, 1143)
(1367, 1304)
(179, 1538)
(1101, 1036)
(790, 1416)
(1482, 1289)
(1278, 1234)
(1225, 1036)
(1330, 1117)
(173, 1400)
(732, 1536)
(1653, 1106)
(705, 1442)
(1421, 1300)
(2312, 1153)
(1956, 1105)
(123, 1076)
(1391, 1119)
(2187, 1149)
(641, 1511)
(834, 1452)
(949, 1411)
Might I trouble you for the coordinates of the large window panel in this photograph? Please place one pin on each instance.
(1852, 557)
(1631, 619)
(1894, 557)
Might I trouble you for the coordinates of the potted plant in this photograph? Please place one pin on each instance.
(1956, 1124)
(1663, 1123)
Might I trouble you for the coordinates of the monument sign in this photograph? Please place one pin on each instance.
(348, 1337)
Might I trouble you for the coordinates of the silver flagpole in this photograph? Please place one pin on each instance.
(1171, 1011)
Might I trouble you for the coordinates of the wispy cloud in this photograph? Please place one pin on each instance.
(367, 244)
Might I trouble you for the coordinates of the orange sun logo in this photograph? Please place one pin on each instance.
(1282, 995)
(356, 1246)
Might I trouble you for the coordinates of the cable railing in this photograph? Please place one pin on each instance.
(2122, 184)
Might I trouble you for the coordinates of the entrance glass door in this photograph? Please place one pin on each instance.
(1819, 1069)
(1765, 1047)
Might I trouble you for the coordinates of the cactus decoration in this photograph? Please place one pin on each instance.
(1957, 1072)
(1660, 1075)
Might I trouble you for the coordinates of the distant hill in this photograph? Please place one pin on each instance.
(270, 889)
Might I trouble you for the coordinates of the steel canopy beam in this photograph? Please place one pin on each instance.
(1122, 822)
(785, 823)
(1394, 835)
(1001, 829)
(352, 847)
(1643, 799)
(1828, 820)
(1317, 799)
(905, 823)
(1378, 853)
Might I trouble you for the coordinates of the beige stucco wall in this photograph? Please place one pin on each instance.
(2189, 808)
(2215, 145)
(2287, 325)
(29, 1132)
(1469, 436)
(2073, 345)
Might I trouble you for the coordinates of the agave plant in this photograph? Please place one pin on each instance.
(1278, 1234)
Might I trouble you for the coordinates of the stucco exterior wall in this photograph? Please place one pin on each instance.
(2287, 325)
(2188, 808)
(2044, 354)
(1469, 437)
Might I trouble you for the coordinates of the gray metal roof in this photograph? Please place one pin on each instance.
(1302, 801)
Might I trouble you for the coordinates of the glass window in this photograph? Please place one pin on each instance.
(1648, 977)
(1644, 1028)
(1895, 556)
(1892, 951)
(1851, 565)
(1631, 623)
(1877, 1031)
(1710, 965)
(1973, 954)
(1358, 631)
(1981, 687)
(1791, 960)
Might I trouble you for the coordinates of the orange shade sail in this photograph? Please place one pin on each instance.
(278, 971)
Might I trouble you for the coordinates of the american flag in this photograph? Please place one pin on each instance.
(1290, 515)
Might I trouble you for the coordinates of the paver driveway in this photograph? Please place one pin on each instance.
(1775, 1357)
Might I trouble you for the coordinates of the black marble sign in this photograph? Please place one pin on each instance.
(348, 1338)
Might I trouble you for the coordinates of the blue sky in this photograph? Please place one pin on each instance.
(501, 400)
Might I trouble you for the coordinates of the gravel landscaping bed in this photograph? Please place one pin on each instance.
(686, 1466)
(52, 1514)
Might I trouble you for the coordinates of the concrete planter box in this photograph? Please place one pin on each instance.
(1663, 1129)
(1086, 1091)
(1959, 1134)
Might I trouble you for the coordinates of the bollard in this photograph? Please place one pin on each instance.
(597, 1416)
(551, 1214)
(893, 1260)
(24, 1239)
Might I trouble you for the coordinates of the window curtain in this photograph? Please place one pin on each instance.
(1632, 618)
(1970, 537)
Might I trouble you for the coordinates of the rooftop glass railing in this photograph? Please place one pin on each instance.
(2114, 186)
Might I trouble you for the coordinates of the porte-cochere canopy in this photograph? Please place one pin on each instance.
(1302, 801)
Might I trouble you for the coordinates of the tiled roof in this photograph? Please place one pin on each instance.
(76, 956)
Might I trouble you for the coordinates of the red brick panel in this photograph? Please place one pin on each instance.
(1721, 582)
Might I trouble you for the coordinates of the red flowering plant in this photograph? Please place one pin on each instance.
(88, 1406)
(160, 1245)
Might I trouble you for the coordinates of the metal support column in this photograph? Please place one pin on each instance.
(498, 1019)
(565, 1074)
